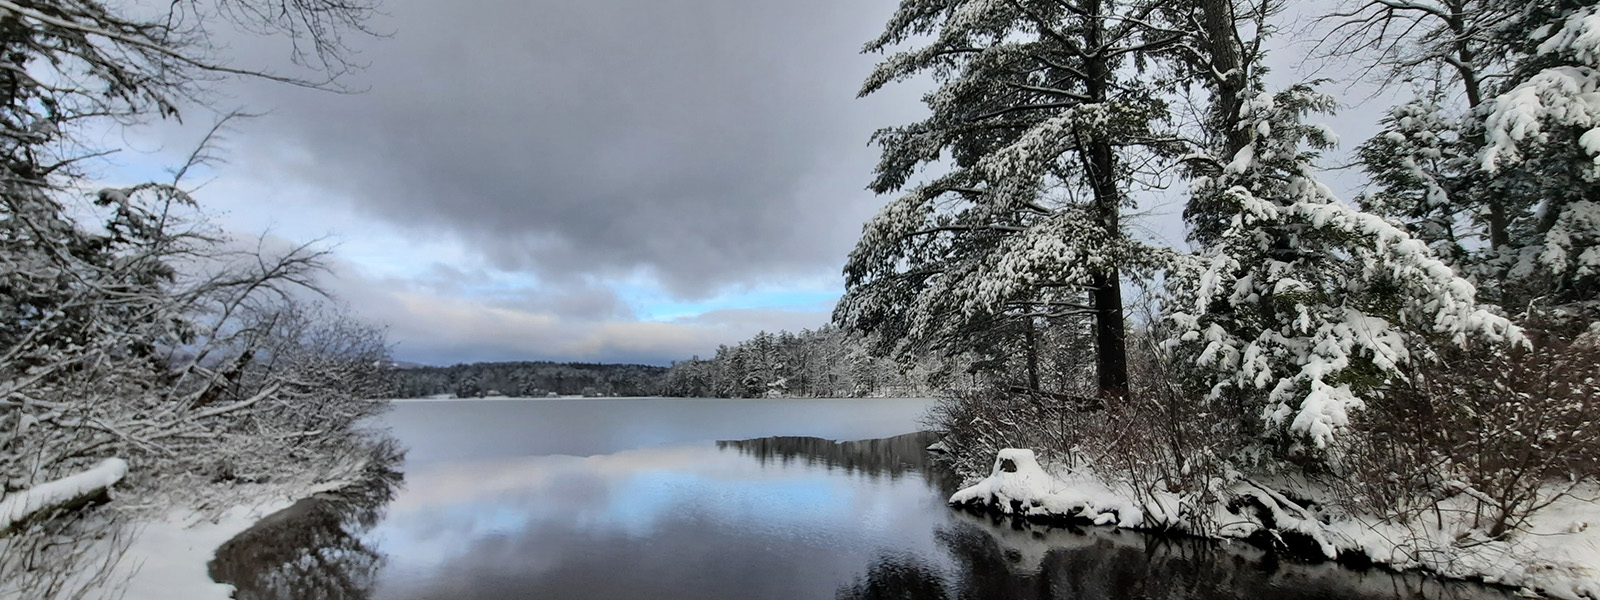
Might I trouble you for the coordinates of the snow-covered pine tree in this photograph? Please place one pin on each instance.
(1425, 174)
(1496, 176)
(1040, 111)
(1543, 144)
(1302, 307)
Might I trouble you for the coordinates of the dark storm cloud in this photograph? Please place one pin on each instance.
(703, 142)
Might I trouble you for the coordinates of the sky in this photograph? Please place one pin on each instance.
(599, 181)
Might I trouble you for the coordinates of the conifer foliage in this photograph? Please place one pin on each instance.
(1398, 352)
(1495, 165)
(1040, 125)
(1303, 306)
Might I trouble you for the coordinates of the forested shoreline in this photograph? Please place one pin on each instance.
(824, 362)
(1405, 376)
(526, 379)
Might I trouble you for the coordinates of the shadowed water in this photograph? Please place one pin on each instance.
(551, 499)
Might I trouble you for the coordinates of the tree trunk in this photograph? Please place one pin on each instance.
(1499, 223)
(1222, 44)
(1111, 351)
(1033, 355)
(62, 495)
(1110, 341)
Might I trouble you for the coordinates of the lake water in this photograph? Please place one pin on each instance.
(746, 499)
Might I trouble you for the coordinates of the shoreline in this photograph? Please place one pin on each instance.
(1558, 556)
(560, 398)
(170, 553)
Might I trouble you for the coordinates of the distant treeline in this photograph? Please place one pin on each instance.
(820, 363)
(528, 380)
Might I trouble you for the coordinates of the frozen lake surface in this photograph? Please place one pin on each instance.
(743, 499)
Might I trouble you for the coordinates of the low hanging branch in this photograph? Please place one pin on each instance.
(65, 494)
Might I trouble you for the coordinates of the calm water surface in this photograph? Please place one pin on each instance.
(693, 498)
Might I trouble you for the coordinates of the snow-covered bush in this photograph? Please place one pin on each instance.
(1512, 429)
(1150, 441)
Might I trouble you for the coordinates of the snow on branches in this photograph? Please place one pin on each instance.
(1543, 141)
(1041, 127)
(1304, 306)
(1565, 94)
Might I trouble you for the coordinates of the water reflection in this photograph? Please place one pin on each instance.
(888, 456)
(1003, 559)
(691, 521)
(314, 548)
(764, 517)
(470, 430)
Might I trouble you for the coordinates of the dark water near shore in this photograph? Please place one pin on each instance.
(690, 498)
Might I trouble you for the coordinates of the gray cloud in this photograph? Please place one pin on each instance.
(706, 143)
(579, 298)
(711, 145)
(432, 325)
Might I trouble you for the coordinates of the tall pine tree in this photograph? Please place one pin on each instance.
(1039, 117)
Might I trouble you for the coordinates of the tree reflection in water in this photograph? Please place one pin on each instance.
(994, 557)
(313, 549)
(888, 457)
(999, 558)
(680, 547)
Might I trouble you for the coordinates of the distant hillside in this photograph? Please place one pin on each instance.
(527, 379)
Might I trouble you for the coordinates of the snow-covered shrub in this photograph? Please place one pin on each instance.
(974, 424)
(114, 340)
(1156, 441)
(1513, 429)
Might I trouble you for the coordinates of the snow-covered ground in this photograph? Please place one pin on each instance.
(169, 553)
(1557, 555)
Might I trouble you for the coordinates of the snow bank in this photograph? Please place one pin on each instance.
(19, 506)
(1557, 555)
(169, 555)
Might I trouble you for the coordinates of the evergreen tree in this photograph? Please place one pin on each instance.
(1543, 146)
(1498, 178)
(1299, 308)
(1042, 114)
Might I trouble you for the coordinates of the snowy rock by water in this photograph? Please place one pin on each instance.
(1019, 486)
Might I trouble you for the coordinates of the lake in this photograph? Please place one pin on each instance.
(676, 498)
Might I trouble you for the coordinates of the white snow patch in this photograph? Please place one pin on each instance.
(169, 555)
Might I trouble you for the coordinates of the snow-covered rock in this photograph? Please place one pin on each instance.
(1019, 486)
